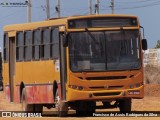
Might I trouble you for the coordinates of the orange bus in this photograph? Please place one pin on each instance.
(74, 62)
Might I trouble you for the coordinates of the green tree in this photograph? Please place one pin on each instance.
(158, 44)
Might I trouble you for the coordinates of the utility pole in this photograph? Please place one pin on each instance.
(112, 6)
(90, 6)
(58, 8)
(48, 9)
(29, 11)
(97, 7)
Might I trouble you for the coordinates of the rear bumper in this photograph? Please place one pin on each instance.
(103, 95)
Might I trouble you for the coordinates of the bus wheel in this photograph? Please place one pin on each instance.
(125, 105)
(1, 87)
(61, 107)
(25, 107)
(37, 108)
(86, 108)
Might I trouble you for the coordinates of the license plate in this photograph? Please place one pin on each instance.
(137, 92)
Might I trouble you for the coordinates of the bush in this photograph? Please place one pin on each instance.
(151, 74)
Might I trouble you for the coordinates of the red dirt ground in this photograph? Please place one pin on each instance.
(151, 102)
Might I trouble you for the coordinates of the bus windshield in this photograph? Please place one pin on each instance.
(104, 50)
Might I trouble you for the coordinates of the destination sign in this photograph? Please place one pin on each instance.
(102, 22)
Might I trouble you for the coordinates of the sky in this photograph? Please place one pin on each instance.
(146, 10)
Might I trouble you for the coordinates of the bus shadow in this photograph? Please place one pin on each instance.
(73, 114)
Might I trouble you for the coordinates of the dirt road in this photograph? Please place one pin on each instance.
(151, 102)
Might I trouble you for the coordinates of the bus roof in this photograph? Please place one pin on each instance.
(34, 25)
(56, 22)
(101, 15)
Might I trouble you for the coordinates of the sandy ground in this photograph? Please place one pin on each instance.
(151, 102)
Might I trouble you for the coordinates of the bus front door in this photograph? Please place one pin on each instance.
(11, 66)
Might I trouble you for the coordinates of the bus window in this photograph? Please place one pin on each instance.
(107, 50)
(19, 46)
(123, 50)
(55, 43)
(45, 54)
(87, 51)
(5, 44)
(28, 46)
(36, 44)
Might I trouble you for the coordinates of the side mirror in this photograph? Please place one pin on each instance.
(144, 44)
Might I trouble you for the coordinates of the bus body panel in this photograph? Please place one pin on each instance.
(35, 94)
(39, 94)
(38, 80)
(133, 79)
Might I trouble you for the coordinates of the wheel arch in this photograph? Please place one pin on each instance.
(21, 89)
(55, 87)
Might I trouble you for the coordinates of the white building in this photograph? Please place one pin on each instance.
(152, 56)
(145, 60)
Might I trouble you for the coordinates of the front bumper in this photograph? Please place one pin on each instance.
(73, 95)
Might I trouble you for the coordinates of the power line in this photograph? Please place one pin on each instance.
(135, 7)
(139, 1)
(142, 6)
(142, 1)
(53, 14)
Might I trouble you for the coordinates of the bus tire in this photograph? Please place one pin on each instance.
(38, 108)
(1, 87)
(125, 105)
(61, 106)
(25, 107)
(86, 108)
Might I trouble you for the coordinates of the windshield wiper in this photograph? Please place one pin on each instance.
(90, 34)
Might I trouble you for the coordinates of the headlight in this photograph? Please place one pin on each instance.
(135, 85)
(76, 87)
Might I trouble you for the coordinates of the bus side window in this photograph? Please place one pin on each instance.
(45, 51)
(28, 45)
(19, 46)
(36, 45)
(5, 48)
(54, 43)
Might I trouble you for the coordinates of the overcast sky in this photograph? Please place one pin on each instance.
(146, 10)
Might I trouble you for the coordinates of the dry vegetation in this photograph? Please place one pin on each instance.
(152, 74)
